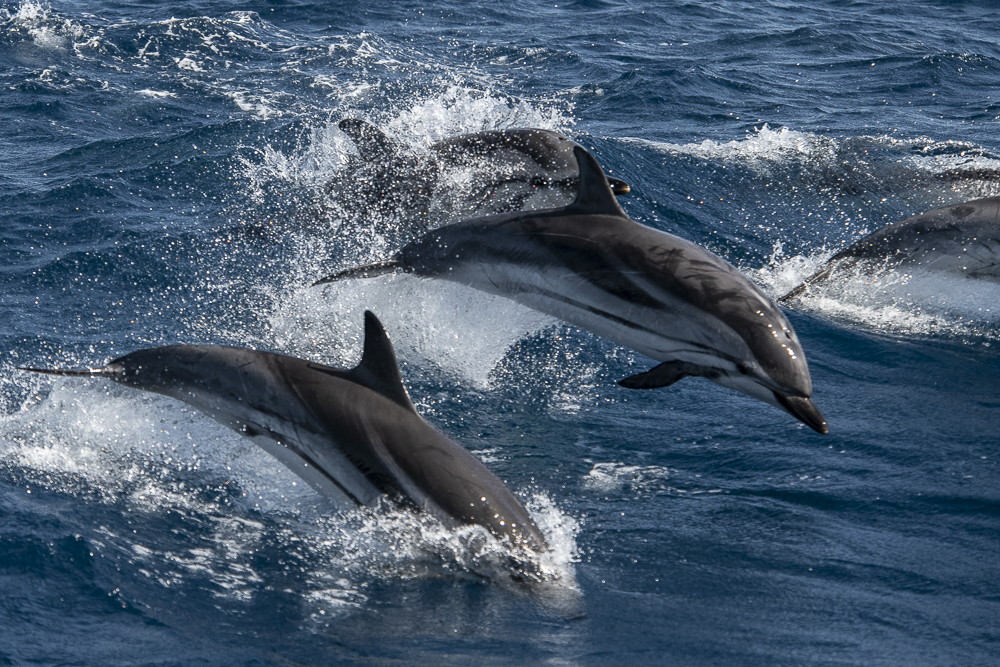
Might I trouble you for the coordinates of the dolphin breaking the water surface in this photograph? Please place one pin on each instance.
(588, 263)
(509, 169)
(352, 434)
(961, 239)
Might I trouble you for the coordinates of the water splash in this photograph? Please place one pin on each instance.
(194, 501)
(887, 299)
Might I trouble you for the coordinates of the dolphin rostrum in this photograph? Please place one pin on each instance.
(509, 166)
(352, 434)
(962, 239)
(590, 264)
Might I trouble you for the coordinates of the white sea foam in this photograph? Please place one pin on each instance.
(156, 456)
(613, 476)
(763, 146)
(46, 29)
(459, 110)
(866, 163)
(157, 94)
(428, 321)
(886, 299)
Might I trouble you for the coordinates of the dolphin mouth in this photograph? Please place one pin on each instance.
(110, 370)
(804, 410)
(618, 186)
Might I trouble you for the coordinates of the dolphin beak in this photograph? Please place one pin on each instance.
(618, 186)
(804, 410)
(105, 371)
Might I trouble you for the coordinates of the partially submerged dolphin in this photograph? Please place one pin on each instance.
(510, 167)
(590, 264)
(962, 239)
(352, 434)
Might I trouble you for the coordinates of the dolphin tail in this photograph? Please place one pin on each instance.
(805, 411)
(363, 271)
(371, 141)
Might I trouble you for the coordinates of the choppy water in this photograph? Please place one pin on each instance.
(161, 171)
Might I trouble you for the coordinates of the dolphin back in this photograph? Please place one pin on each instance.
(962, 239)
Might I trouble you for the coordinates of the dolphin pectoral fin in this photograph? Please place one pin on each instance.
(618, 186)
(663, 375)
(805, 411)
(595, 196)
(363, 271)
(371, 141)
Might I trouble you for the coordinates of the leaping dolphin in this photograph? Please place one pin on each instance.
(352, 434)
(590, 264)
(510, 167)
(962, 239)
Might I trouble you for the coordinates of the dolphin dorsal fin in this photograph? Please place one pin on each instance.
(595, 195)
(378, 369)
(371, 141)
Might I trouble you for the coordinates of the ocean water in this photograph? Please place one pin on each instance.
(162, 179)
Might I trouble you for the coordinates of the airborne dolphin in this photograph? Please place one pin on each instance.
(510, 167)
(590, 264)
(352, 434)
(962, 239)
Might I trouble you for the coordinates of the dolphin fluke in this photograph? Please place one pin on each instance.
(363, 271)
(805, 411)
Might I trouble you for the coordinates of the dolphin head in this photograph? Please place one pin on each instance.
(778, 373)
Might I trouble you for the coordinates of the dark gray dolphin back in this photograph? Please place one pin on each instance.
(920, 239)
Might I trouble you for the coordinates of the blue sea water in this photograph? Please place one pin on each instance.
(161, 177)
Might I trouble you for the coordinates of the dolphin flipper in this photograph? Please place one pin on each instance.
(371, 141)
(665, 375)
